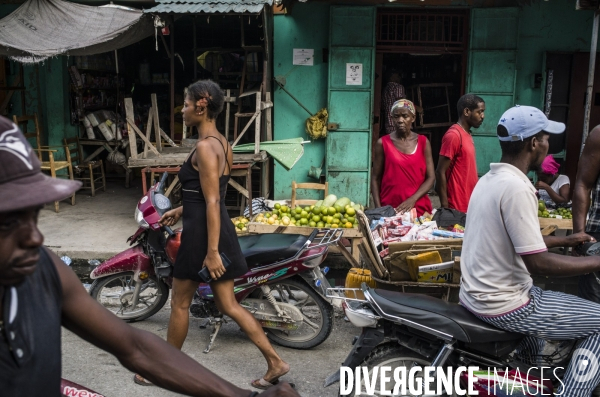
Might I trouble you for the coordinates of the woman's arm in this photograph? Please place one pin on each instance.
(208, 164)
(378, 163)
(427, 184)
(559, 198)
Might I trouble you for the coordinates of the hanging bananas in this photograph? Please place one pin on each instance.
(316, 126)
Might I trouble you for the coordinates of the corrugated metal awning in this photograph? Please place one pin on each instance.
(209, 6)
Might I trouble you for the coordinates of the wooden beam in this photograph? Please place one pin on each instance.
(156, 123)
(172, 125)
(245, 129)
(132, 124)
(269, 119)
(130, 133)
(239, 188)
(257, 124)
(148, 131)
(167, 138)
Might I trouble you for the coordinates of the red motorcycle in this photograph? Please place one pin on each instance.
(284, 288)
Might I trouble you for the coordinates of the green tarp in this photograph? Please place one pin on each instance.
(287, 151)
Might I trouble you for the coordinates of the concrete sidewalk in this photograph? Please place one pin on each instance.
(95, 227)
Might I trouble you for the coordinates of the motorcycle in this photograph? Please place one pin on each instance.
(284, 288)
(403, 330)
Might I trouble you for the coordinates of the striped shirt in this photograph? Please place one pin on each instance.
(391, 93)
(593, 223)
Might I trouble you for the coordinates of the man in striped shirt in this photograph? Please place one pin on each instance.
(392, 92)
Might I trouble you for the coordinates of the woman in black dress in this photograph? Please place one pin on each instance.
(208, 231)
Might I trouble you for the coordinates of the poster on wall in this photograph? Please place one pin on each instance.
(304, 56)
(354, 73)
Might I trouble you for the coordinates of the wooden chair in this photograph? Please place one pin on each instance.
(313, 186)
(84, 171)
(45, 153)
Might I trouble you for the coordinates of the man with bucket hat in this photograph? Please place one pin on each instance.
(39, 293)
(503, 248)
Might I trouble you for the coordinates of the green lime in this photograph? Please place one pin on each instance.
(277, 206)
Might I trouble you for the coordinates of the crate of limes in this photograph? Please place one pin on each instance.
(241, 224)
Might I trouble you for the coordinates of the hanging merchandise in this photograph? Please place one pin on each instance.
(316, 126)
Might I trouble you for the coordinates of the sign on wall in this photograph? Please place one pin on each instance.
(304, 56)
(354, 72)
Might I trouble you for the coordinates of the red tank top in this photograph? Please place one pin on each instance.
(403, 174)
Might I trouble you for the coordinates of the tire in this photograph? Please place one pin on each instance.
(110, 291)
(319, 312)
(392, 355)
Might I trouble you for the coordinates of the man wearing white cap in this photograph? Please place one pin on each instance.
(503, 248)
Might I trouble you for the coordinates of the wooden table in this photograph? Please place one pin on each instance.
(561, 224)
(353, 234)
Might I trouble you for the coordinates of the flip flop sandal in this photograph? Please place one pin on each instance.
(264, 384)
(139, 380)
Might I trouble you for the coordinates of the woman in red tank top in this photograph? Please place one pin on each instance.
(403, 170)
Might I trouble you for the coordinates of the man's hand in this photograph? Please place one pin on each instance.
(280, 390)
(579, 238)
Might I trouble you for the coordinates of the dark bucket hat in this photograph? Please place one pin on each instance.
(22, 183)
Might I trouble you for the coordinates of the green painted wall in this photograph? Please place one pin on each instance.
(306, 27)
(544, 26)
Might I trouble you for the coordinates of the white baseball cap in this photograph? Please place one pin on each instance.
(522, 122)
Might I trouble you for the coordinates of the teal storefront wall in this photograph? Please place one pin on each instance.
(307, 27)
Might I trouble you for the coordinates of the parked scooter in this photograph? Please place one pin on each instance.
(415, 330)
(284, 288)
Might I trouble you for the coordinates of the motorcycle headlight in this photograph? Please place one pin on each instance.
(139, 218)
(162, 202)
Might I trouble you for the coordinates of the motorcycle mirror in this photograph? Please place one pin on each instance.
(163, 181)
(589, 249)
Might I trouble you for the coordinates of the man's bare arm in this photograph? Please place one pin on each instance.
(556, 265)
(441, 184)
(587, 175)
(139, 351)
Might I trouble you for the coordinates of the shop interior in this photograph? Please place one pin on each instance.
(434, 83)
(225, 48)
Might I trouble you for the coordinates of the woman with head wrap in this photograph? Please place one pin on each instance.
(403, 165)
(552, 187)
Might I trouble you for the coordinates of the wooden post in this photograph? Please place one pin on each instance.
(172, 126)
(130, 133)
(269, 120)
(227, 112)
(156, 123)
(257, 123)
(148, 131)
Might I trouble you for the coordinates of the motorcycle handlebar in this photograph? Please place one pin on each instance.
(169, 231)
(162, 182)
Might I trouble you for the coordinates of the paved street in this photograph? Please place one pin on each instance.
(233, 357)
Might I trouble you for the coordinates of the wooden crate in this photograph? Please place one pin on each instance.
(564, 224)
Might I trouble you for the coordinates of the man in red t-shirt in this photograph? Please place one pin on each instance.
(456, 173)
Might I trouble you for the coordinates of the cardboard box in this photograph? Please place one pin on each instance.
(398, 267)
(407, 245)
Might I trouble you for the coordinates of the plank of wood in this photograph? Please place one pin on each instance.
(254, 227)
(137, 130)
(239, 188)
(563, 224)
(227, 113)
(148, 131)
(245, 129)
(342, 249)
(257, 123)
(167, 138)
(156, 124)
(130, 115)
(94, 154)
(172, 186)
(269, 119)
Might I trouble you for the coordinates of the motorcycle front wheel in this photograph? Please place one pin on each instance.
(317, 315)
(394, 356)
(116, 293)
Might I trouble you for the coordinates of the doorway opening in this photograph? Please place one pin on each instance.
(427, 52)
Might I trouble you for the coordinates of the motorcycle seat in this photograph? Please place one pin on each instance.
(264, 249)
(450, 318)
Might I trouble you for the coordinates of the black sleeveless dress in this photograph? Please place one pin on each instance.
(194, 238)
